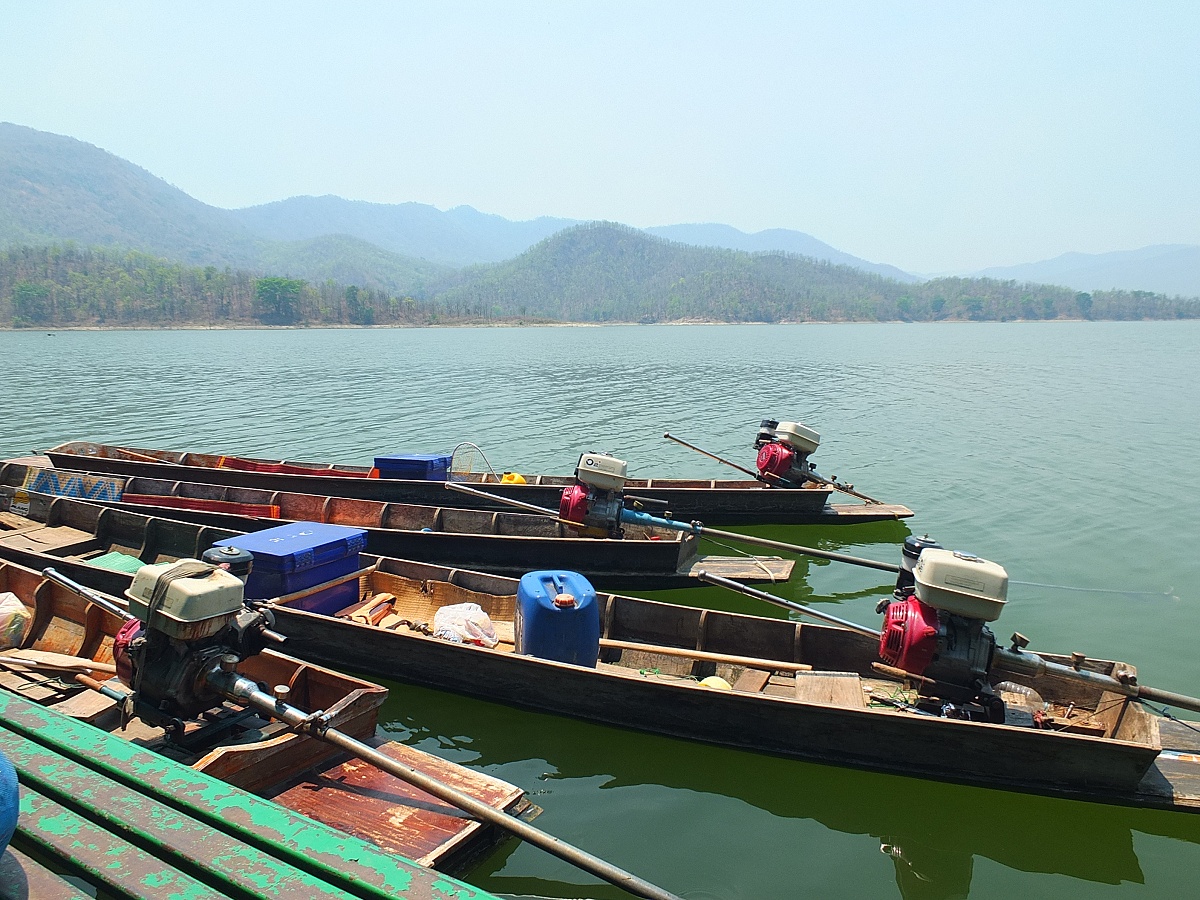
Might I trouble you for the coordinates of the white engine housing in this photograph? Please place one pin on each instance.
(797, 435)
(961, 584)
(194, 607)
(602, 471)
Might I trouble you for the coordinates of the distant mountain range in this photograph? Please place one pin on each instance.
(55, 189)
(458, 237)
(1171, 269)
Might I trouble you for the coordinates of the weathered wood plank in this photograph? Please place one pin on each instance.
(831, 688)
(335, 857)
(362, 800)
(752, 681)
(24, 878)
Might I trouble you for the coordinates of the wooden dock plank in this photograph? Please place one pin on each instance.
(343, 860)
(144, 835)
(24, 878)
(102, 857)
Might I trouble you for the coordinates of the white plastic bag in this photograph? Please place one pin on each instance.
(467, 622)
(14, 619)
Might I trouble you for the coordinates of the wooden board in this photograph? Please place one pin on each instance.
(832, 688)
(135, 815)
(360, 799)
(752, 681)
(761, 568)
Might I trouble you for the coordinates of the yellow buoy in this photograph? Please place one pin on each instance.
(717, 682)
(512, 478)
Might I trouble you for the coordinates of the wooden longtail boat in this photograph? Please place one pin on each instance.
(799, 690)
(711, 501)
(240, 748)
(505, 542)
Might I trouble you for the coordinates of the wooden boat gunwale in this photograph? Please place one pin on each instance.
(714, 501)
(660, 555)
(1107, 769)
(280, 759)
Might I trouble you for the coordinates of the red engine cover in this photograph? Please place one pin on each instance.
(127, 633)
(573, 505)
(775, 459)
(909, 638)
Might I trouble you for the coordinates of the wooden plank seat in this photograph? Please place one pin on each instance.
(843, 689)
(59, 540)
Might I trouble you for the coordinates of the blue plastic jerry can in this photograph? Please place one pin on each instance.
(558, 618)
(9, 802)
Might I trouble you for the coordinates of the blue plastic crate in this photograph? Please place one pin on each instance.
(290, 558)
(414, 466)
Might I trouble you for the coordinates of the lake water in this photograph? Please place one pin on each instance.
(1067, 452)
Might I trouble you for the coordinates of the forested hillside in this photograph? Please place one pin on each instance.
(87, 238)
(55, 189)
(591, 273)
(604, 272)
(44, 287)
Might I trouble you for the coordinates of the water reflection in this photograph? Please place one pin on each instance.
(932, 832)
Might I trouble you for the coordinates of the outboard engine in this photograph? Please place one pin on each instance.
(595, 500)
(783, 450)
(190, 615)
(909, 554)
(938, 630)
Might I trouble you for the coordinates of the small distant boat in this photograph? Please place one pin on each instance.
(711, 501)
(504, 542)
(812, 692)
(66, 634)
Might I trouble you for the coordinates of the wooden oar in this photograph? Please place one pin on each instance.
(752, 662)
(45, 659)
(145, 458)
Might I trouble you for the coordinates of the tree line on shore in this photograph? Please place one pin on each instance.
(593, 273)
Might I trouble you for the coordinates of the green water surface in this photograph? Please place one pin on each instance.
(1067, 452)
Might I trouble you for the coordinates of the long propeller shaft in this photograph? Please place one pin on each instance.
(774, 480)
(633, 517)
(245, 691)
(732, 585)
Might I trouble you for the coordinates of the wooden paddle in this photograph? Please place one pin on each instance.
(45, 659)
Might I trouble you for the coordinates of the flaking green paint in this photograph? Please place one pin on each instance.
(348, 862)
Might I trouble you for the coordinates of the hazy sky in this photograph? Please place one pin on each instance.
(932, 136)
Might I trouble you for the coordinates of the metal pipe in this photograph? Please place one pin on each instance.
(245, 691)
(1032, 665)
(94, 597)
(464, 489)
(775, 480)
(633, 517)
(732, 585)
(797, 548)
(757, 476)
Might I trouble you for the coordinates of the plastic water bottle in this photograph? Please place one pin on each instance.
(1032, 699)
